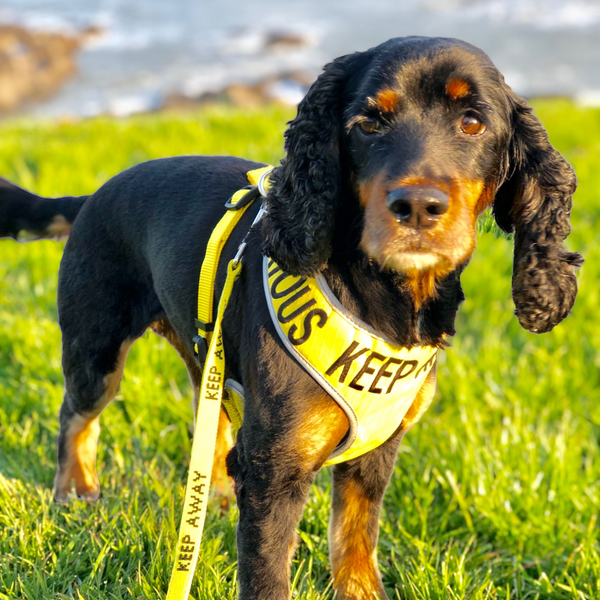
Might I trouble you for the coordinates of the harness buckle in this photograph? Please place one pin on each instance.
(253, 192)
(206, 327)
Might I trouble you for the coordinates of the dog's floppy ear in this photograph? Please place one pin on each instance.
(305, 189)
(535, 202)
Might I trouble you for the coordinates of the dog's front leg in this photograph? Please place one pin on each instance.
(274, 463)
(358, 488)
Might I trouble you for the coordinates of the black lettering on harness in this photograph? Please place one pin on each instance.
(273, 270)
(430, 362)
(400, 374)
(383, 372)
(287, 318)
(365, 369)
(292, 288)
(315, 312)
(345, 361)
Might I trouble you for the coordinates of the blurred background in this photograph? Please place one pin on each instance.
(496, 493)
(120, 57)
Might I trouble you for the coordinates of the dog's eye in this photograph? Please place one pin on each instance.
(471, 125)
(370, 125)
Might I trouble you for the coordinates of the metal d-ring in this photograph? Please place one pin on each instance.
(261, 182)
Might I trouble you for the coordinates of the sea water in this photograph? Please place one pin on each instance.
(150, 48)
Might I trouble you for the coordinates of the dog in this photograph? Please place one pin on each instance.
(393, 155)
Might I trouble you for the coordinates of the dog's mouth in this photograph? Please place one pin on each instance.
(411, 261)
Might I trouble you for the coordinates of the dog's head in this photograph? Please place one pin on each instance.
(396, 151)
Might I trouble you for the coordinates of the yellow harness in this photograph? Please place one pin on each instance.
(372, 380)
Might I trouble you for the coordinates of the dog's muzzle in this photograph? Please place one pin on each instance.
(417, 207)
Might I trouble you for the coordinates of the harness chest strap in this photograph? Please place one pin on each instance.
(237, 205)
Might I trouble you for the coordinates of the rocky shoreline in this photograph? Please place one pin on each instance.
(34, 65)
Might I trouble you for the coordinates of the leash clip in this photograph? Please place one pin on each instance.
(200, 343)
(242, 247)
(238, 255)
(252, 193)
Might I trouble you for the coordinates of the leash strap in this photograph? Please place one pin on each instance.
(203, 451)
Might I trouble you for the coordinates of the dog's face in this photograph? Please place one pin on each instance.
(424, 134)
(412, 140)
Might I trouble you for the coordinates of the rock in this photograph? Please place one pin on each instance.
(33, 65)
(283, 42)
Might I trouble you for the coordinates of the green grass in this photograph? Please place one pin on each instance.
(496, 492)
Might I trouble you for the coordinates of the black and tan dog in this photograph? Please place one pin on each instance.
(393, 155)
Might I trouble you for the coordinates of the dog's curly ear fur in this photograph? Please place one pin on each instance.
(535, 202)
(305, 189)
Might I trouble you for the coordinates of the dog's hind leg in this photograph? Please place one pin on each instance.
(219, 480)
(102, 310)
(87, 394)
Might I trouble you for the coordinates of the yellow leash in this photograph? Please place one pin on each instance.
(211, 389)
(203, 451)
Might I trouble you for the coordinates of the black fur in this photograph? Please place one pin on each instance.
(136, 247)
(535, 203)
(24, 212)
(306, 190)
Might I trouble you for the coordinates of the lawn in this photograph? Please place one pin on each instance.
(496, 492)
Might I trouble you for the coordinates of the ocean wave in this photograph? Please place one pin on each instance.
(537, 14)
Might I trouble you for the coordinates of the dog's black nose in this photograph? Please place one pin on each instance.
(418, 206)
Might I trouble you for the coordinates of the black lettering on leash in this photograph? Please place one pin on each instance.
(186, 550)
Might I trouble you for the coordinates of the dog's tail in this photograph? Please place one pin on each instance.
(26, 217)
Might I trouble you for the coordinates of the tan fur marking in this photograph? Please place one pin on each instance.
(81, 441)
(221, 483)
(443, 247)
(355, 572)
(421, 402)
(423, 285)
(58, 226)
(387, 100)
(457, 88)
(321, 428)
